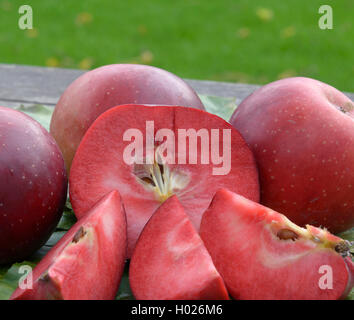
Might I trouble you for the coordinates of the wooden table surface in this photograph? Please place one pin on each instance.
(28, 85)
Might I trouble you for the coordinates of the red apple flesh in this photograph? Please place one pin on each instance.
(99, 164)
(103, 88)
(170, 261)
(262, 255)
(302, 132)
(33, 185)
(88, 262)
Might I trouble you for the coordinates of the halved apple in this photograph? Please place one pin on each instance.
(170, 261)
(262, 255)
(88, 262)
(149, 153)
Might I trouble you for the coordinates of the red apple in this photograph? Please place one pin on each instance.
(166, 159)
(88, 262)
(262, 255)
(170, 261)
(301, 132)
(33, 185)
(103, 88)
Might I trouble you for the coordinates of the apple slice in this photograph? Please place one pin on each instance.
(88, 262)
(105, 160)
(170, 261)
(262, 255)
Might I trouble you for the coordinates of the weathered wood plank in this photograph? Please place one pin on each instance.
(38, 85)
(45, 85)
(14, 104)
(34, 84)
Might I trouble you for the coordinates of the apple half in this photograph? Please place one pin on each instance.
(88, 262)
(114, 154)
(262, 255)
(170, 261)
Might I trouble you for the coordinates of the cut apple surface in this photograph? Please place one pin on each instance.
(149, 153)
(170, 261)
(262, 255)
(88, 262)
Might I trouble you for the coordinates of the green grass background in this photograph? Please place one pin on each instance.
(244, 41)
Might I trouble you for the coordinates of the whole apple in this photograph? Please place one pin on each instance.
(33, 185)
(108, 86)
(302, 134)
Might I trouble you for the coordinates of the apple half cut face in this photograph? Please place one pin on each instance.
(88, 262)
(170, 261)
(149, 153)
(262, 255)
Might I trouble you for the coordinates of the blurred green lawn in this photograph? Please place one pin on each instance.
(243, 41)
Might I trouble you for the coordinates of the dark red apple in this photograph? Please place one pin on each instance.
(33, 185)
(301, 132)
(170, 261)
(262, 255)
(103, 88)
(88, 262)
(199, 153)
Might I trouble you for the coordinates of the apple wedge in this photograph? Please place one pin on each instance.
(88, 262)
(170, 261)
(262, 255)
(149, 153)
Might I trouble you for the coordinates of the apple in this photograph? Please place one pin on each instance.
(301, 132)
(170, 261)
(88, 262)
(103, 88)
(33, 185)
(149, 153)
(262, 255)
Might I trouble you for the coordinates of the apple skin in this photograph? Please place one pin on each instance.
(103, 88)
(301, 131)
(33, 185)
